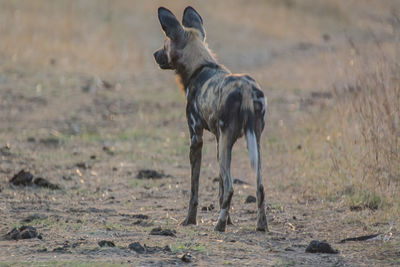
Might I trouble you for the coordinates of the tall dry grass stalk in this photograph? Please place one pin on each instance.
(366, 155)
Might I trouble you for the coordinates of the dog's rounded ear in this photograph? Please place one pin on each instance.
(170, 25)
(192, 19)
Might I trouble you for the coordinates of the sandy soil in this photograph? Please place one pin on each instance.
(83, 104)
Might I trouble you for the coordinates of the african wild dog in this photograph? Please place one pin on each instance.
(228, 105)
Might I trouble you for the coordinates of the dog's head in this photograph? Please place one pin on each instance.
(178, 36)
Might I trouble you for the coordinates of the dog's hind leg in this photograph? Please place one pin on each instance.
(221, 199)
(195, 163)
(221, 191)
(225, 153)
(261, 216)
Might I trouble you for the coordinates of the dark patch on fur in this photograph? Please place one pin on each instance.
(199, 76)
(231, 109)
(258, 93)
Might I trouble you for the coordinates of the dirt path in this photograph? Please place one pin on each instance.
(83, 105)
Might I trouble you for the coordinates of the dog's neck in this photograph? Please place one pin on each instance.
(186, 78)
(194, 56)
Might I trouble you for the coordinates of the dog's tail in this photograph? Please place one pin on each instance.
(249, 127)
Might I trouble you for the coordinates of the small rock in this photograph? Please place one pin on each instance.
(316, 246)
(150, 174)
(31, 139)
(137, 247)
(326, 37)
(107, 85)
(106, 243)
(165, 232)
(82, 165)
(167, 248)
(50, 141)
(24, 232)
(359, 238)
(250, 199)
(187, 257)
(140, 216)
(22, 178)
(67, 177)
(5, 150)
(41, 182)
(109, 150)
(239, 181)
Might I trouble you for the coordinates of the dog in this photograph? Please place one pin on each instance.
(228, 105)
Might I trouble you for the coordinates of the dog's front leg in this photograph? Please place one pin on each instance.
(196, 145)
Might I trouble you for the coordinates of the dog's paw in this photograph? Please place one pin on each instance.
(262, 228)
(188, 221)
(229, 222)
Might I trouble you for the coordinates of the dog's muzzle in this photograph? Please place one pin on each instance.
(161, 59)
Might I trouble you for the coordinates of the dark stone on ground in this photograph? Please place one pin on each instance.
(109, 150)
(22, 178)
(137, 247)
(107, 85)
(316, 246)
(250, 199)
(50, 142)
(106, 243)
(140, 216)
(82, 165)
(359, 238)
(5, 150)
(187, 257)
(165, 232)
(24, 232)
(31, 139)
(41, 182)
(150, 174)
(67, 177)
(239, 181)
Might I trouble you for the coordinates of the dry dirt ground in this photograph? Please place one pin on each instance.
(83, 104)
